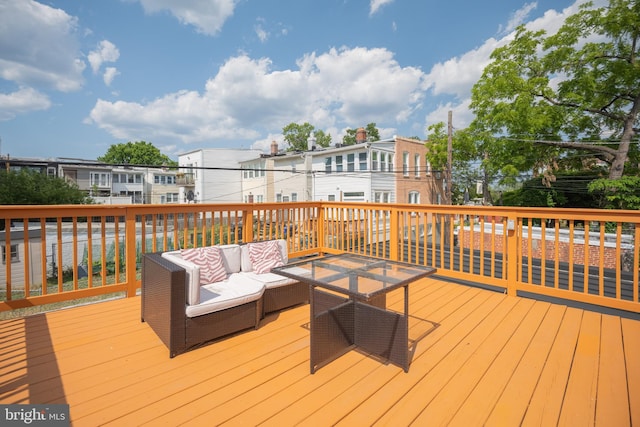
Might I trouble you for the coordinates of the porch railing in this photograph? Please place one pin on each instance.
(60, 253)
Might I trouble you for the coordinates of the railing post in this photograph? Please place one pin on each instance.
(130, 251)
(320, 228)
(512, 261)
(247, 225)
(394, 224)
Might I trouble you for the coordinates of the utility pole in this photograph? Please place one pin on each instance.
(449, 195)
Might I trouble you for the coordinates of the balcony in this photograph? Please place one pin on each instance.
(553, 346)
(185, 179)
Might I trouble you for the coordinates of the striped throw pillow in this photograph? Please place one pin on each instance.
(265, 256)
(209, 259)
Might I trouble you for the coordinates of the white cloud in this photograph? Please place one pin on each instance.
(375, 5)
(38, 46)
(109, 74)
(246, 98)
(518, 17)
(106, 52)
(262, 34)
(22, 101)
(207, 16)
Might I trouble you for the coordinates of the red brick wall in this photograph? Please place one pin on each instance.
(564, 249)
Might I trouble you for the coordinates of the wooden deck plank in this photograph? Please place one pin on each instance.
(547, 399)
(511, 406)
(475, 409)
(194, 368)
(428, 391)
(479, 357)
(631, 343)
(612, 404)
(216, 389)
(579, 405)
(454, 328)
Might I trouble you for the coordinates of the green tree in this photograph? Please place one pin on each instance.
(623, 193)
(464, 174)
(296, 136)
(372, 134)
(27, 187)
(545, 97)
(136, 153)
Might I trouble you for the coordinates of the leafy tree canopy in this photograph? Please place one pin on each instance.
(136, 153)
(545, 94)
(568, 190)
(296, 136)
(26, 187)
(372, 134)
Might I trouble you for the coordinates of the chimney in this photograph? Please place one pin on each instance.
(361, 136)
(274, 148)
(311, 142)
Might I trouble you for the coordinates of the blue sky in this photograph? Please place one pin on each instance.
(79, 76)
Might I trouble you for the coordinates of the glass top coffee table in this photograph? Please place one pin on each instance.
(348, 306)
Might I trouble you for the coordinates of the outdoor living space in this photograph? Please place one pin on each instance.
(477, 357)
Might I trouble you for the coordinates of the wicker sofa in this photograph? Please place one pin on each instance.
(185, 313)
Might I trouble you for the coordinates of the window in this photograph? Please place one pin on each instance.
(172, 197)
(116, 178)
(428, 168)
(14, 254)
(338, 163)
(416, 160)
(405, 163)
(353, 196)
(383, 161)
(278, 197)
(374, 161)
(414, 197)
(332, 197)
(294, 197)
(245, 174)
(381, 196)
(138, 178)
(362, 157)
(327, 165)
(351, 162)
(100, 179)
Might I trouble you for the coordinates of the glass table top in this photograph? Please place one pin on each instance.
(354, 275)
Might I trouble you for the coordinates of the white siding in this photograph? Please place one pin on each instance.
(217, 185)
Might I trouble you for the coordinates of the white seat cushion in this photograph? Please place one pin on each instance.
(222, 295)
(270, 280)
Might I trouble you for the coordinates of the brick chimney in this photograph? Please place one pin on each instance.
(361, 136)
(274, 148)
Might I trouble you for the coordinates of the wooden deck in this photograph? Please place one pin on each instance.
(478, 357)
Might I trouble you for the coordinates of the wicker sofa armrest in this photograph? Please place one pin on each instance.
(164, 296)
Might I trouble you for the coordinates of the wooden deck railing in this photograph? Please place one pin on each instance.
(61, 253)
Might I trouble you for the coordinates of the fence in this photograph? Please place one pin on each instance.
(59, 253)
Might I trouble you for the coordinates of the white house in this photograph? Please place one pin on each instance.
(212, 175)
